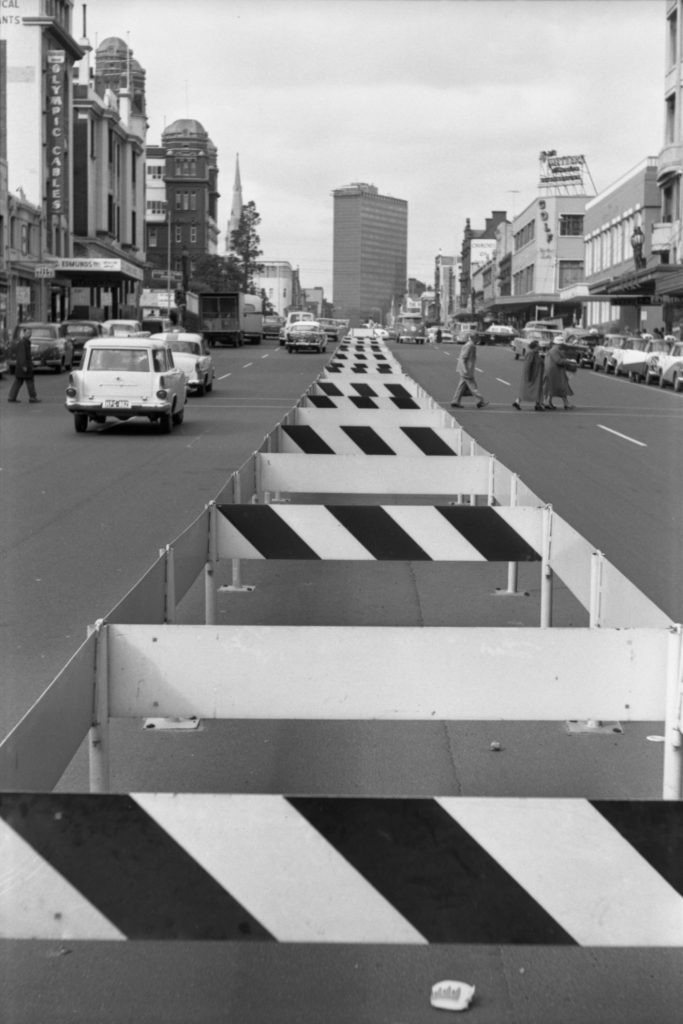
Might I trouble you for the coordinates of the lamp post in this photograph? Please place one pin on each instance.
(637, 242)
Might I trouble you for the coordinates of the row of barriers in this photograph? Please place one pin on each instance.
(366, 467)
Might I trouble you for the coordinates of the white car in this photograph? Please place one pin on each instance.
(667, 368)
(306, 336)
(623, 359)
(121, 378)
(545, 336)
(121, 328)
(191, 354)
(603, 354)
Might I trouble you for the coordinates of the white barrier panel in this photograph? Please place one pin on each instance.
(420, 417)
(35, 754)
(372, 386)
(146, 601)
(392, 438)
(191, 551)
(392, 673)
(372, 474)
(316, 400)
(614, 599)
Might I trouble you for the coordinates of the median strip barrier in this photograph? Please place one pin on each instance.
(297, 869)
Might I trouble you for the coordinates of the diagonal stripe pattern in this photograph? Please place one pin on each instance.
(386, 533)
(340, 869)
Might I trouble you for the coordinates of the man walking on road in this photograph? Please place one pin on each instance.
(466, 368)
(23, 368)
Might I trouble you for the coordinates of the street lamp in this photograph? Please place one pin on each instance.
(637, 242)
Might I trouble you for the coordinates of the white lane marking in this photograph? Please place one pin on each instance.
(625, 436)
(246, 365)
(265, 356)
(506, 382)
(224, 376)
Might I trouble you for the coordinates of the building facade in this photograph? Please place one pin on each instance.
(621, 270)
(370, 252)
(477, 249)
(277, 282)
(106, 270)
(182, 202)
(40, 54)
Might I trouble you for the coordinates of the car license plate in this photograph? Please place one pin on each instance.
(116, 403)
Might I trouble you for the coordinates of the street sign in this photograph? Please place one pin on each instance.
(45, 270)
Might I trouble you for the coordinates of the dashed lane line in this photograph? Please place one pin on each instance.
(224, 376)
(609, 430)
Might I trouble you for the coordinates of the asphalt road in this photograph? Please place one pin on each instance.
(84, 515)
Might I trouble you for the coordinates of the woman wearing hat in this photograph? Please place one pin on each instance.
(531, 384)
(555, 382)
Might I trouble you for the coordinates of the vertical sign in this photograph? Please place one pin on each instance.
(56, 135)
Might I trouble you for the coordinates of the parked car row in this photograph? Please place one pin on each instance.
(642, 359)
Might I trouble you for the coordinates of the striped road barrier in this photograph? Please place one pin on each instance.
(448, 870)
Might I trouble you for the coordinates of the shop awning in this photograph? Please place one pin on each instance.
(94, 266)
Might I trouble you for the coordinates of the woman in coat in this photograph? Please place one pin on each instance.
(556, 383)
(531, 384)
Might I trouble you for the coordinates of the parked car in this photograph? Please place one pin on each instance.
(80, 331)
(51, 349)
(543, 335)
(603, 353)
(271, 326)
(667, 368)
(4, 353)
(126, 377)
(306, 336)
(583, 344)
(622, 358)
(191, 354)
(121, 328)
(637, 368)
(294, 317)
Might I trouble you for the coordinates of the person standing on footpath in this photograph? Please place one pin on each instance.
(531, 384)
(556, 383)
(23, 368)
(466, 368)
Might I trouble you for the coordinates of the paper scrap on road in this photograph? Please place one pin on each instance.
(452, 995)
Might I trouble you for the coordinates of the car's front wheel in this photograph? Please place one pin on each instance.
(80, 422)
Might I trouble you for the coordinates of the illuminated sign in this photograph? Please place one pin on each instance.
(56, 135)
(562, 170)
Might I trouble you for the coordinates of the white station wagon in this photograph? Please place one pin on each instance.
(126, 377)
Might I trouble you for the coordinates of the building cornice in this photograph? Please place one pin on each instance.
(68, 42)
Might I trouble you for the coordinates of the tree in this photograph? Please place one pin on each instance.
(216, 274)
(268, 307)
(245, 244)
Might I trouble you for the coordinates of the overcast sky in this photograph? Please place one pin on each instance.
(444, 103)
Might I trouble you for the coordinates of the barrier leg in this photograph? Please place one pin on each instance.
(595, 609)
(672, 788)
(210, 570)
(98, 737)
(169, 595)
(546, 571)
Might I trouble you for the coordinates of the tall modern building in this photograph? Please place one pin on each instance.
(370, 252)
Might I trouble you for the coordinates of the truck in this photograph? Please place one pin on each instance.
(231, 318)
(410, 327)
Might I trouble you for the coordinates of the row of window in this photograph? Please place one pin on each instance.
(183, 169)
(611, 246)
(570, 225)
(568, 272)
(153, 236)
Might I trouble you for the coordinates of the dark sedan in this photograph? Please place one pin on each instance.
(51, 348)
(80, 331)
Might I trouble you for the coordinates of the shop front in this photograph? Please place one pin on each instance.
(99, 287)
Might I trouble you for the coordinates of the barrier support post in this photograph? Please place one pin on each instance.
(210, 570)
(237, 587)
(513, 567)
(98, 736)
(672, 788)
(168, 555)
(546, 571)
(595, 609)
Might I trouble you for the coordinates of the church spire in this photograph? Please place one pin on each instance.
(236, 208)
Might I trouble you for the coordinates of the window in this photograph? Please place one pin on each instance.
(523, 281)
(193, 168)
(193, 200)
(155, 171)
(526, 235)
(571, 224)
(193, 233)
(178, 233)
(672, 41)
(24, 239)
(571, 272)
(186, 200)
(156, 206)
(670, 125)
(178, 200)
(178, 167)
(152, 238)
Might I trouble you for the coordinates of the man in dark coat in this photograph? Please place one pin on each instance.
(23, 368)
